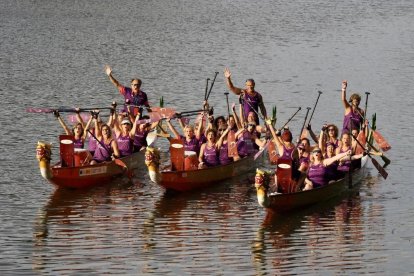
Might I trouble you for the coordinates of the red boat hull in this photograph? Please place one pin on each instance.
(94, 175)
(184, 181)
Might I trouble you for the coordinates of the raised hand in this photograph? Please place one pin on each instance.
(227, 73)
(108, 70)
(344, 84)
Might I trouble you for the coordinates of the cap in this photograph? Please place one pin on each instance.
(126, 121)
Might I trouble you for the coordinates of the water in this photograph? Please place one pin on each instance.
(53, 54)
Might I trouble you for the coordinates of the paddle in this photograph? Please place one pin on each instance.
(305, 134)
(62, 110)
(306, 117)
(261, 150)
(379, 139)
(206, 91)
(290, 119)
(380, 169)
(117, 161)
(366, 105)
(227, 100)
(212, 83)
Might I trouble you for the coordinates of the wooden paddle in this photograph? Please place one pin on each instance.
(305, 131)
(379, 139)
(380, 169)
(228, 107)
(306, 117)
(63, 109)
(211, 86)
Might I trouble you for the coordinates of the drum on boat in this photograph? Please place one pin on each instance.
(81, 157)
(190, 160)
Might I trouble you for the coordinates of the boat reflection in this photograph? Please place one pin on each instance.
(281, 239)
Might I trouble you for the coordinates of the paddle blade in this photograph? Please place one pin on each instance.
(379, 139)
(39, 110)
(232, 145)
(386, 161)
(362, 139)
(257, 155)
(380, 169)
(121, 163)
(271, 149)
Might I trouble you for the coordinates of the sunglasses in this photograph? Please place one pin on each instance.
(331, 129)
(135, 84)
(221, 129)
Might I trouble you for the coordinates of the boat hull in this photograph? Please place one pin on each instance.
(290, 201)
(184, 181)
(94, 175)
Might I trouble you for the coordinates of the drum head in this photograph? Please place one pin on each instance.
(284, 166)
(177, 146)
(189, 153)
(66, 141)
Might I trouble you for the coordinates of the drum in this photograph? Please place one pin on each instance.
(190, 161)
(81, 157)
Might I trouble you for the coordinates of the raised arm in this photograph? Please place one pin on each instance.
(312, 134)
(221, 139)
(108, 71)
(62, 123)
(344, 155)
(276, 136)
(230, 86)
(173, 130)
(347, 106)
(85, 129)
(321, 141)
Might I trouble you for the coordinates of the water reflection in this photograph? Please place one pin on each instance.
(330, 236)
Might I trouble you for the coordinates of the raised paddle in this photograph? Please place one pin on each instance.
(305, 132)
(306, 117)
(117, 161)
(63, 109)
(366, 105)
(227, 100)
(290, 119)
(206, 91)
(380, 169)
(211, 86)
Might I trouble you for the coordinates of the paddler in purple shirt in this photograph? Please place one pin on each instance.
(250, 98)
(78, 131)
(353, 114)
(134, 95)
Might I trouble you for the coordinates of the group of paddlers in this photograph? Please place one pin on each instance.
(221, 141)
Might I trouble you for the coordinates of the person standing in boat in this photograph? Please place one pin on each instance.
(78, 131)
(353, 114)
(250, 98)
(107, 147)
(134, 95)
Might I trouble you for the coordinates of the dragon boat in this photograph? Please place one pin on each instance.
(183, 174)
(73, 169)
(287, 198)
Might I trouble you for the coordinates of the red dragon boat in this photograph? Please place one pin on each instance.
(183, 175)
(289, 199)
(73, 169)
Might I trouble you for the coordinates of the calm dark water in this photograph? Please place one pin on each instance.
(52, 54)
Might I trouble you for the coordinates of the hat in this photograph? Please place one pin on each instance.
(126, 121)
(316, 150)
